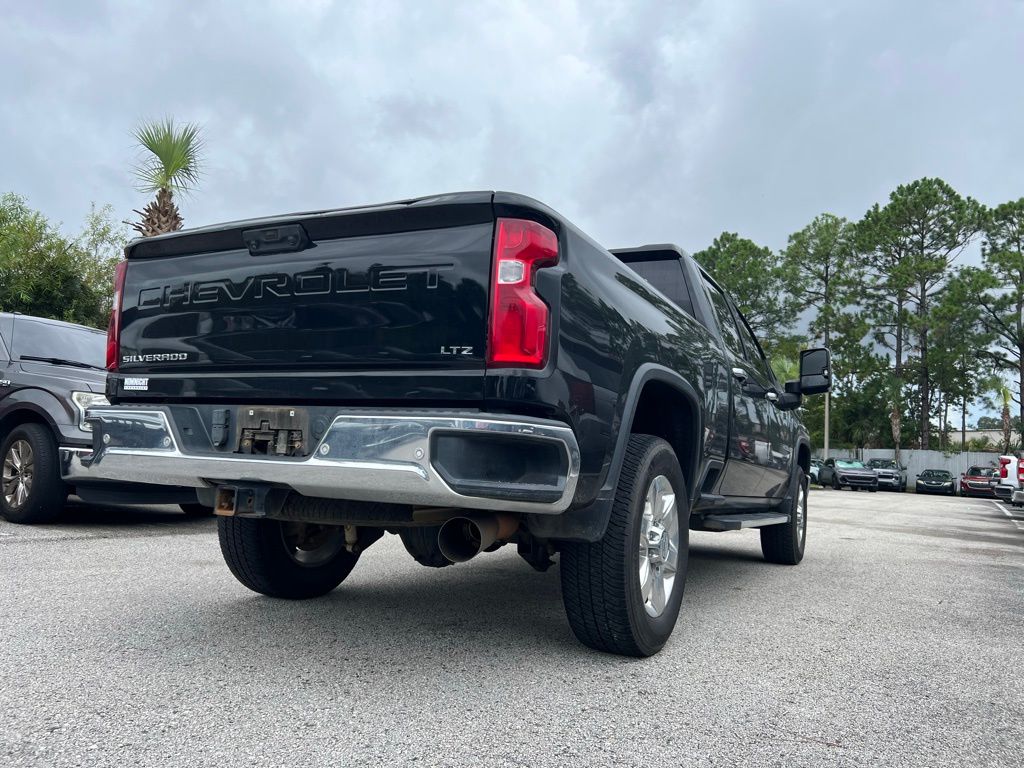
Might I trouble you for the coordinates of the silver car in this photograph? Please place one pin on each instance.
(847, 473)
(891, 476)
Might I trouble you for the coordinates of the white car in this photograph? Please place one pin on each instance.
(1010, 485)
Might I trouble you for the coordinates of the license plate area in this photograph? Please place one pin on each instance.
(273, 432)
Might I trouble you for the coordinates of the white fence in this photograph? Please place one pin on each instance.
(917, 461)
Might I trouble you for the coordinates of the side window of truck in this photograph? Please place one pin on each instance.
(755, 355)
(726, 321)
(667, 276)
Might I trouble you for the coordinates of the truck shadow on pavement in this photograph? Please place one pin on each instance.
(489, 607)
(79, 513)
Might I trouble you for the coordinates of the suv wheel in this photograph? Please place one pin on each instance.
(31, 488)
(285, 559)
(622, 593)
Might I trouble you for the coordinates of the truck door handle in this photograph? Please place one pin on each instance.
(771, 397)
(740, 375)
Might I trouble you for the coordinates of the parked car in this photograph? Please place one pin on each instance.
(813, 471)
(50, 374)
(1008, 478)
(890, 474)
(465, 370)
(1015, 474)
(847, 473)
(936, 481)
(979, 481)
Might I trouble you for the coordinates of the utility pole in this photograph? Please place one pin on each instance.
(828, 402)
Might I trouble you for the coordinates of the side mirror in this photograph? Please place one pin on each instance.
(815, 371)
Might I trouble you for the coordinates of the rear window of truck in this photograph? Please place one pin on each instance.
(667, 276)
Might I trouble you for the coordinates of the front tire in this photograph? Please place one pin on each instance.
(622, 594)
(835, 483)
(31, 488)
(285, 559)
(784, 543)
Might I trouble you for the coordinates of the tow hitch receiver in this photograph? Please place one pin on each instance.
(272, 431)
(248, 500)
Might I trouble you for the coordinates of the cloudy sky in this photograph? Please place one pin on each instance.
(642, 122)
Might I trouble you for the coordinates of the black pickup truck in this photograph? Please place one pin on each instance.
(465, 371)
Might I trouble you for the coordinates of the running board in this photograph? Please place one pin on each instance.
(745, 520)
(710, 499)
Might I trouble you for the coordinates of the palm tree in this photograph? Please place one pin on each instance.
(171, 163)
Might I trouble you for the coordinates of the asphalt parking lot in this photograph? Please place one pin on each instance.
(126, 642)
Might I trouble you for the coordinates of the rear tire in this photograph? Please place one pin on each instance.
(285, 559)
(784, 543)
(619, 596)
(31, 488)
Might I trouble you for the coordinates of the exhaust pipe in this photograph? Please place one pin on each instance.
(463, 538)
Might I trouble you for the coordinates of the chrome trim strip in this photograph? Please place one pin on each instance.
(361, 457)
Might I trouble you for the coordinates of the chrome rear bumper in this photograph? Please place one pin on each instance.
(383, 457)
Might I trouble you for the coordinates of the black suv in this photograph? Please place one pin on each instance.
(50, 372)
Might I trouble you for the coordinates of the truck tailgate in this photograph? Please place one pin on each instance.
(377, 303)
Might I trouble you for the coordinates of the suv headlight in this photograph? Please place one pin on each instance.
(83, 400)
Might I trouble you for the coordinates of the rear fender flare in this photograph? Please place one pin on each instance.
(588, 523)
(644, 375)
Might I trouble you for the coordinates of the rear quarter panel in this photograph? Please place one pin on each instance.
(608, 325)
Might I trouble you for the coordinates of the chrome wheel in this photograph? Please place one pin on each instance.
(311, 544)
(659, 545)
(18, 473)
(801, 514)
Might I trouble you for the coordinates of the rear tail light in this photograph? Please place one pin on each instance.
(1003, 461)
(114, 328)
(518, 331)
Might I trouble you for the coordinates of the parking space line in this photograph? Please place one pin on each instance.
(1010, 515)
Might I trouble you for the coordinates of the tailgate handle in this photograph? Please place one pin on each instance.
(283, 239)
